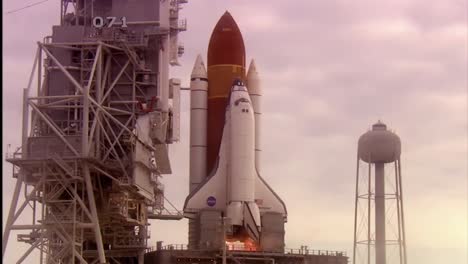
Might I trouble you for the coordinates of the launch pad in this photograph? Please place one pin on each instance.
(179, 254)
(99, 114)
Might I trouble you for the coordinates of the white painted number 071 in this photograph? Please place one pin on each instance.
(98, 22)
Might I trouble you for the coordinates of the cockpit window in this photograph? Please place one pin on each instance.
(241, 100)
(238, 82)
(239, 88)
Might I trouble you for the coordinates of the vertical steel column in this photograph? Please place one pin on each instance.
(356, 210)
(400, 185)
(99, 93)
(397, 196)
(39, 70)
(164, 71)
(61, 13)
(74, 225)
(369, 195)
(19, 181)
(24, 139)
(224, 239)
(43, 187)
(11, 213)
(141, 257)
(380, 254)
(85, 168)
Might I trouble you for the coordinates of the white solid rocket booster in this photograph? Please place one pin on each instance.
(198, 122)
(255, 93)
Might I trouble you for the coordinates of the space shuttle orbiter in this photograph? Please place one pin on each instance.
(234, 186)
(225, 148)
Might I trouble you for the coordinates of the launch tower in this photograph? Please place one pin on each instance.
(96, 129)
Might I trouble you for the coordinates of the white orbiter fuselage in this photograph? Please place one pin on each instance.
(235, 186)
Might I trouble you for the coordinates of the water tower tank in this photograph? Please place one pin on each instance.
(379, 145)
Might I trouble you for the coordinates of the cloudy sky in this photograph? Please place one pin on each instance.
(330, 68)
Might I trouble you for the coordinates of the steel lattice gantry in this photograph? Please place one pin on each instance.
(95, 138)
(96, 132)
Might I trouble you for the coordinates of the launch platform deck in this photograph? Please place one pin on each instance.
(180, 255)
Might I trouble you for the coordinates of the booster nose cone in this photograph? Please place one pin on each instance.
(199, 70)
(253, 80)
(252, 69)
(226, 43)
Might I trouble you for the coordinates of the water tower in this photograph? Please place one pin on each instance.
(379, 228)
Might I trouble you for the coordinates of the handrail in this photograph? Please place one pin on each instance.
(287, 251)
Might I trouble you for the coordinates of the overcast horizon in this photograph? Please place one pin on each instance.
(329, 70)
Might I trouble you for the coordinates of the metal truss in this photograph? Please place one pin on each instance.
(79, 153)
(364, 231)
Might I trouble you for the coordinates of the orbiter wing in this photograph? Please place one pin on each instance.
(212, 192)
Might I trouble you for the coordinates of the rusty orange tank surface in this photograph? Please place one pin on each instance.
(226, 62)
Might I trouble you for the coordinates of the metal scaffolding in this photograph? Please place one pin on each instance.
(94, 144)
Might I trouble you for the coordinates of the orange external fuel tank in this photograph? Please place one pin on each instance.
(226, 62)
